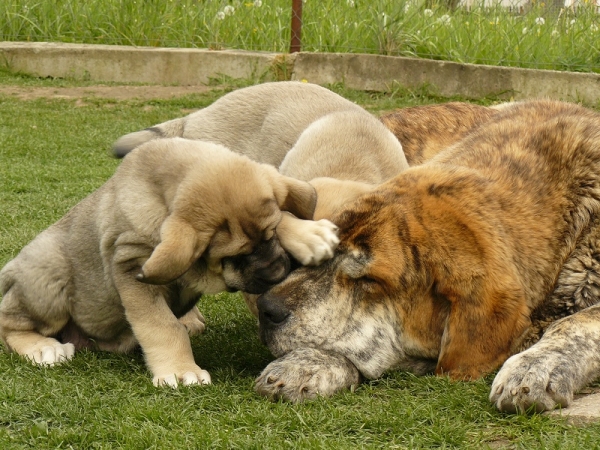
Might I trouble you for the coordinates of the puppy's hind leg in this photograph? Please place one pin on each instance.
(23, 334)
(193, 321)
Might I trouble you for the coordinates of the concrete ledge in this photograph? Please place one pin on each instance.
(358, 71)
(135, 64)
(447, 79)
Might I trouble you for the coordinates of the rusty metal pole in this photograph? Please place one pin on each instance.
(296, 40)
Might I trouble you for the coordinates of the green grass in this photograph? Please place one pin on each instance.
(52, 154)
(542, 37)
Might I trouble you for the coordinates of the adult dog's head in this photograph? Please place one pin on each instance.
(418, 282)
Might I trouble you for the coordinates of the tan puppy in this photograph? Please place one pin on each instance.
(454, 266)
(311, 134)
(135, 255)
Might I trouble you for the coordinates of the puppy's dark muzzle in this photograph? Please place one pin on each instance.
(257, 272)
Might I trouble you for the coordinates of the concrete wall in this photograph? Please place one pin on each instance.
(357, 71)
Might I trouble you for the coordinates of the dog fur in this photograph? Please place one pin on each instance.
(309, 133)
(121, 266)
(457, 264)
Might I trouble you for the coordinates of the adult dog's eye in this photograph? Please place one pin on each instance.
(368, 279)
(370, 284)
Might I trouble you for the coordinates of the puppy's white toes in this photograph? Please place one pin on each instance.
(193, 378)
(169, 380)
(49, 355)
(187, 378)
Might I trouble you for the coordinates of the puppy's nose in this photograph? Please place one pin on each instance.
(271, 311)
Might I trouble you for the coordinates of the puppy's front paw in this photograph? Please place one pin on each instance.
(310, 242)
(48, 352)
(186, 377)
(533, 381)
(306, 373)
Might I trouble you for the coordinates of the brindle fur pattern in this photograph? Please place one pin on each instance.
(458, 264)
(319, 373)
(425, 130)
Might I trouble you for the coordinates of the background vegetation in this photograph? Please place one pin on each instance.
(53, 152)
(541, 36)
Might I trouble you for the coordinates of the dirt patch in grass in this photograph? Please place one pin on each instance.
(111, 92)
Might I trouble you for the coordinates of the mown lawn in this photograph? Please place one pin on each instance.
(53, 152)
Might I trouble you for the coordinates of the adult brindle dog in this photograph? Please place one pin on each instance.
(457, 264)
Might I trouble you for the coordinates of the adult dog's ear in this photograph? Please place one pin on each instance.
(180, 245)
(295, 196)
(487, 317)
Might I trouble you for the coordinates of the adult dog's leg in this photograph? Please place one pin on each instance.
(548, 374)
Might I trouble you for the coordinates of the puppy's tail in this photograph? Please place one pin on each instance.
(126, 143)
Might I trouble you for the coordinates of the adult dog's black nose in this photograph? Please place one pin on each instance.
(271, 311)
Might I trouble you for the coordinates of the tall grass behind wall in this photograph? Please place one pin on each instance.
(540, 37)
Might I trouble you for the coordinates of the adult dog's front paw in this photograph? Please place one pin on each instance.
(306, 373)
(533, 380)
(310, 242)
(185, 376)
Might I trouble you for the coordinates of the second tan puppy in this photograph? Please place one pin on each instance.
(121, 266)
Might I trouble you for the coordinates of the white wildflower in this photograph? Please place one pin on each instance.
(572, 22)
(428, 12)
(540, 21)
(554, 33)
(350, 3)
(594, 27)
(258, 3)
(229, 10)
(445, 19)
(220, 15)
(525, 30)
(279, 10)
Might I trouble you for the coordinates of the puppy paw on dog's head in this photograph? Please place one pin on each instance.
(310, 242)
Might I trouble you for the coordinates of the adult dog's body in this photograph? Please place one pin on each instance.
(136, 254)
(456, 265)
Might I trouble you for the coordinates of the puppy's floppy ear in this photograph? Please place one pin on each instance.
(180, 246)
(295, 196)
(484, 324)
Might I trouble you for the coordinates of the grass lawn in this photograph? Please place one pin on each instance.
(53, 152)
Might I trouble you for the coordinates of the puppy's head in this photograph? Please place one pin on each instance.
(414, 284)
(229, 210)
